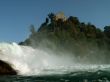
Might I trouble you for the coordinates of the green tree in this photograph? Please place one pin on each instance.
(107, 31)
(32, 29)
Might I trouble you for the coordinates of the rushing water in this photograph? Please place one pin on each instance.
(36, 65)
(81, 76)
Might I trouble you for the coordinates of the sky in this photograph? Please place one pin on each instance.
(16, 16)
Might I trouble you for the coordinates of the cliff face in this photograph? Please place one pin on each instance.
(6, 69)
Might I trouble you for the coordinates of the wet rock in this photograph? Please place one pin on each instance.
(6, 69)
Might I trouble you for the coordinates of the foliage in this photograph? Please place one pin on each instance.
(70, 35)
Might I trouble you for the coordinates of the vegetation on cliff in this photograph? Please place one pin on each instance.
(61, 33)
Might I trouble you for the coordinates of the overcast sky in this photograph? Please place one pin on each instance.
(17, 15)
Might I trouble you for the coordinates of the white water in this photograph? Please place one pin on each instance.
(29, 61)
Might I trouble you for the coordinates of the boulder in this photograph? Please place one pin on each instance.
(6, 69)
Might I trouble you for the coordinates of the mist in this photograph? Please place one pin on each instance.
(83, 53)
(27, 60)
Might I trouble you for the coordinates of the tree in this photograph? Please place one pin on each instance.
(73, 20)
(107, 31)
(32, 29)
(51, 17)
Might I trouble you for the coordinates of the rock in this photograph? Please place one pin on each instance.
(6, 69)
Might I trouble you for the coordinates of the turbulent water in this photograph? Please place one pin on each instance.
(36, 65)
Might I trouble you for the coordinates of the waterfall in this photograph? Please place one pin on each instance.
(29, 61)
